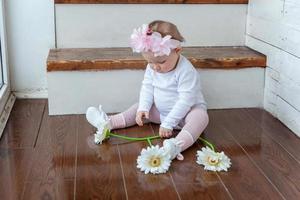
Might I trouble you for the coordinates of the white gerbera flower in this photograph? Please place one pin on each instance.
(213, 161)
(153, 160)
(99, 119)
(101, 135)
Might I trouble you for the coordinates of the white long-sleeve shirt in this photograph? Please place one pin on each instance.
(174, 93)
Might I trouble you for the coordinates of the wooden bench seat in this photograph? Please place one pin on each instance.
(123, 58)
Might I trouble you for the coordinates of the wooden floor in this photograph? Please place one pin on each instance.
(44, 157)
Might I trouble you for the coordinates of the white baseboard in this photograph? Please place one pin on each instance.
(6, 112)
(32, 94)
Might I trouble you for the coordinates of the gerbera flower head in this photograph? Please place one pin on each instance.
(213, 161)
(101, 135)
(153, 160)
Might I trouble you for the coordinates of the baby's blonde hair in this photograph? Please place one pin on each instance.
(166, 28)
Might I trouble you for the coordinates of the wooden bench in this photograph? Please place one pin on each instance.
(123, 58)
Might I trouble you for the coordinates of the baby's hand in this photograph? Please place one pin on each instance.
(164, 132)
(139, 117)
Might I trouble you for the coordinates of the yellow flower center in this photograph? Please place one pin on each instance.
(213, 161)
(154, 161)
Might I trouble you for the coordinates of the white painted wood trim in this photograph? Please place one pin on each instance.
(5, 90)
(32, 94)
(6, 112)
(4, 44)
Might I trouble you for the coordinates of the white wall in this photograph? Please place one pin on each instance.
(274, 29)
(30, 35)
(104, 25)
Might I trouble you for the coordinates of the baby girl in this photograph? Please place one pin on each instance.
(170, 94)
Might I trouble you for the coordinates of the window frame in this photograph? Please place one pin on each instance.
(5, 90)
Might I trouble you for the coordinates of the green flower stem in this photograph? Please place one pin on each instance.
(207, 143)
(148, 139)
(149, 142)
(134, 138)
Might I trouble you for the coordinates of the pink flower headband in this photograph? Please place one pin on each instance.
(144, 39)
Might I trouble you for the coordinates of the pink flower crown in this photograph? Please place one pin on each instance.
(144, 39)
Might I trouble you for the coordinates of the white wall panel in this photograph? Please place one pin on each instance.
(277, 23)
(111, 25)
(268, 31)
(30, 35)
(289, 116)
(291, 40)
(289, 91)
(273, 29)
(270, 102)
(290, 67)
(267, 9)
(273, 54)
(291, 13)
(221, 88)
(277, 59)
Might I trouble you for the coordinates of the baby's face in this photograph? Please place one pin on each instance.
(162, 64)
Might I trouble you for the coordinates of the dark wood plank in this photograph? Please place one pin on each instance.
(138, 184)
(191, 180)
(123, 58)
(244, 179)
(15, 165)
(57, 188)
(277, 130)
(23, 124)
(272, 159)
(55, 151)
(151, 1)
(98, 170)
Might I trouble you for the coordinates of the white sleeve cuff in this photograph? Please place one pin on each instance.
(167, 126)
(144, 107)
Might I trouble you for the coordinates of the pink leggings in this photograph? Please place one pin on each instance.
(192, 125)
